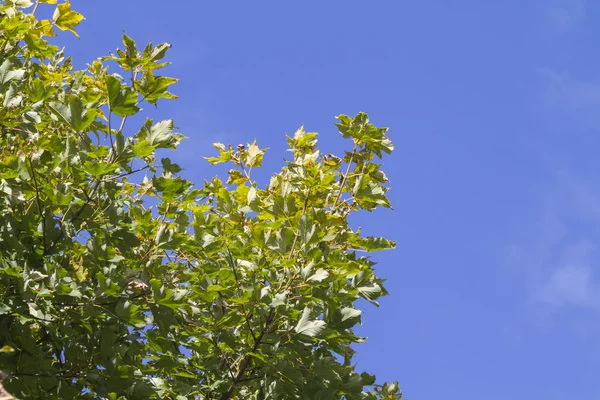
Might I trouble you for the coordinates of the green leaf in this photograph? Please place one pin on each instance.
(370, 292)
(153, 54)
(35, 311)
(279, 299)
(60, 198)
(143, 149)
(319, 275)
(161, 134)
(307, 229)
(12, 98)
(370, 243)
(225, 154)
(97, 169)
(169, 186)
(307, 326)
(130, 46)
(36, 90)
(350, 313)
(216, 288)
(169, 167)
(155, 88)
(369, 195)
(122, 100)
(74, 113)
(7, 73)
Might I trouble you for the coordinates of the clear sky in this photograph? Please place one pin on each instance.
(494, 107)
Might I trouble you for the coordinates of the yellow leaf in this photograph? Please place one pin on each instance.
(6, 349)
(80, 271)
(45, 27)
(65, 19)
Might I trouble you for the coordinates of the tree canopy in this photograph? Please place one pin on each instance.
(120, 279)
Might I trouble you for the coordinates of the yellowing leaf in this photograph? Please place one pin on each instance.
(65, 19)
(254, 155)
(6, 349)
(45, 28)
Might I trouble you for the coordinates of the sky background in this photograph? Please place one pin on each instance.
(494, 111)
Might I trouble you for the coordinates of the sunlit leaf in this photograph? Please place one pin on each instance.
(66, 19)
(308, 326)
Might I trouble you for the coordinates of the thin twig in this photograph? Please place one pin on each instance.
(125, 174)
(39, 204)
(304, 207)
(110, 129)
(246, 317)
(345, 176)
(133, 80)
(35, 7)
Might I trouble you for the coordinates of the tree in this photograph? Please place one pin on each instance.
(115, 286)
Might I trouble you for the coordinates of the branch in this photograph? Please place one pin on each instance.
(104, 303)
(125, 174)
(110, 129)
(248, 358)
(39, 204)
(224, 361)
(246, 173)
(122, 124)
(46, 375)
(16, 314)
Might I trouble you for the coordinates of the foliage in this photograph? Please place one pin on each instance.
(227, 290)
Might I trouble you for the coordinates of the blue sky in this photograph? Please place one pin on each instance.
(493, 110)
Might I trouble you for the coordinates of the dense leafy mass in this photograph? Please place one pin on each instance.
(119, 279)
